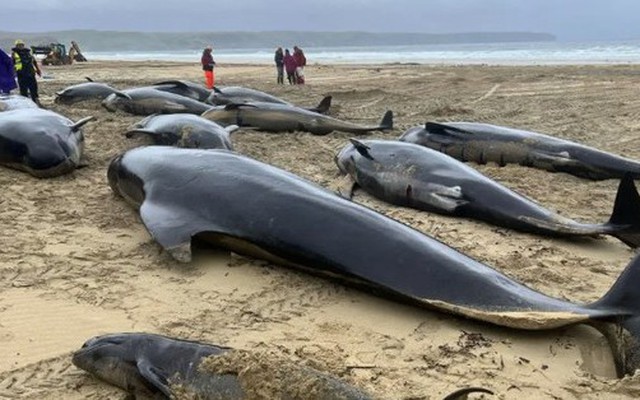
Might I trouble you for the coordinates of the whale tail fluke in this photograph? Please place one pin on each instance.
(623, 299)
(626, 213)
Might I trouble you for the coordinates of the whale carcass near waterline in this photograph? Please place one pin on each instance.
(482, 143)
(414, 176)
(147, 101)
(238, 94)
(255, 209)
(83, 92)
(40, 142)
(272, 117)
(183, 130)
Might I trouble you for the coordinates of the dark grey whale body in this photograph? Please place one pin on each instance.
(148, 100)
(272, 117)
(40, 142)
(293, 222)
(184, 88)
(84, 91)
(183, 130)
(410, 175)
(153, 366)
(482, 143)
(10, 102)
(238, 94)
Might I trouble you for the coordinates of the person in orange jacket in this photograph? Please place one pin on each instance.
(207, 66)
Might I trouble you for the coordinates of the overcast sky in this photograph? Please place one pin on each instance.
(567, 19)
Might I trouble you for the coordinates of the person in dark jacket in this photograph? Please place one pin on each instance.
(290, 66)
(207, 66)
(26, 68)
(301, 60)
(279, 60)
(7, 74)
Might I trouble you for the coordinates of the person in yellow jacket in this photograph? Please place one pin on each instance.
(26, 68)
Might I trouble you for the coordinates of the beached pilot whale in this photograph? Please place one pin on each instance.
(255, 209)
(184, 88)
(40, 142)
(482, 143)
(183, 130)
(84, 91)
(148, 100)
(414, 176)
(155, 366)
(10, 102)
(272, 117)
(238, 94)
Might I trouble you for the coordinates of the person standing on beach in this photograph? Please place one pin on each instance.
(207, 66)
(7, 74)
(301, 61)
(26, 68)
(290, 66)
(279, 60)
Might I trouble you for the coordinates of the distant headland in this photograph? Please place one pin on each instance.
(92, 40)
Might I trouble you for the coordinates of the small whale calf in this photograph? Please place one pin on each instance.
(160, 367)
(272, 117)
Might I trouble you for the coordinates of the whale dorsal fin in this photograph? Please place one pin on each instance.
(215, 89)
(443, 129)
(122, 94)
(172, 82)
(235, 106)
(362, 148)
(88, 79)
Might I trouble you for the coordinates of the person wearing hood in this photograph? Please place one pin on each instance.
(7, 74)
(207, 66)
(26, 68)
(290, 66)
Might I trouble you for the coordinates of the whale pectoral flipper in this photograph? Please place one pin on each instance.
(154, 376)
(172, 229)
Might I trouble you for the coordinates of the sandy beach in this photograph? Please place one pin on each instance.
(76, 260)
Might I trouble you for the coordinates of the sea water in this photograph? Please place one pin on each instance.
(543, 53)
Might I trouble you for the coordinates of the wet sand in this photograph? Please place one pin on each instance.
(76, 261)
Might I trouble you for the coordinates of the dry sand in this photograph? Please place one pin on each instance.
(76, 260)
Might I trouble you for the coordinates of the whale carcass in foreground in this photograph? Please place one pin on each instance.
(40, 142)
(183, 130)
(239, 94)
(10, 102)
(272, 117)
(160, 367)
(481, 143)
(255, 209)
(410, 175)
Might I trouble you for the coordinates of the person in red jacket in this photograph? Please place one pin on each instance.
(207, 66)
(290, 66)
(301, 60)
